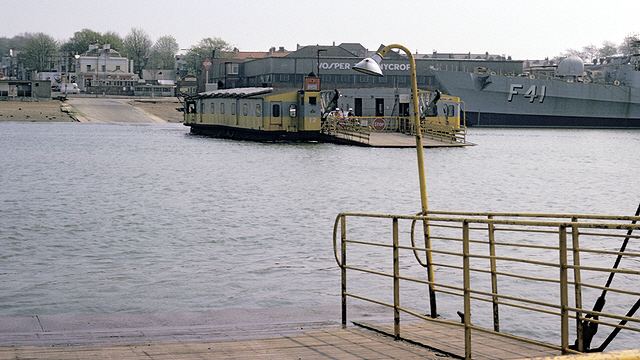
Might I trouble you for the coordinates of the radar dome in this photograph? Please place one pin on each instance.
(571, 66)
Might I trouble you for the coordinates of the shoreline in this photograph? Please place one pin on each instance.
(160, 109)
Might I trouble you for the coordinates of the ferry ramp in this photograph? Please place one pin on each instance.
(397, 132)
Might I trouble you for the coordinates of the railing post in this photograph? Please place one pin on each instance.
(396, 282)
(467, 290)
(578, 282)
(494, 277)
(343, 269)
(564, 292)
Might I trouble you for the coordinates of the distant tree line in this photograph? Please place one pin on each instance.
(37, 51)
(589, 53)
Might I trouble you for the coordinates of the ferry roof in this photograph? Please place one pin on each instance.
(236, 92)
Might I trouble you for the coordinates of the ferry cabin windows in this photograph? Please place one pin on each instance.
(275, 110)
(221, 108)
(258, 110)
(245, 109)
(233, 109)
(213, 108)
(312, 100)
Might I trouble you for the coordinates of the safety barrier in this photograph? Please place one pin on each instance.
(361, 127)
(534, 263)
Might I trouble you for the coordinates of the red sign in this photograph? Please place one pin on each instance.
(378, 124)
(206, 63)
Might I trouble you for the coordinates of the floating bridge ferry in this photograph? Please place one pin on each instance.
(351, 116)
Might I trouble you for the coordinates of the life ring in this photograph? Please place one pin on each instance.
(532, 76)
(616, 82)
(492, 73)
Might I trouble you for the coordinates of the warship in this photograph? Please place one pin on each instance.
(603, 94)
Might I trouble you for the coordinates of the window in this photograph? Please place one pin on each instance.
(117, 67)
(213, 108)
(104, 68)
(312, 100)
(232, 69)
(284, 77)
(233, 109)
(275, 110)
(221, 108)
(88, 68)
(245, 109)
(258, 110)
(363, 78)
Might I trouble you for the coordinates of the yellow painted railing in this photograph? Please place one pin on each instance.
(362, 126)
(497, 261)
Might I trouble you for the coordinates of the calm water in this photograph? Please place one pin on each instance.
(122, 218)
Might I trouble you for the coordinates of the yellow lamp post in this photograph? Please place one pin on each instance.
(371, 66)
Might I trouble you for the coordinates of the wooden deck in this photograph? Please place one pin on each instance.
(449, 338)
(330, 343)
(394, 140)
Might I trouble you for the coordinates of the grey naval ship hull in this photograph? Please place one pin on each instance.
(513, 101)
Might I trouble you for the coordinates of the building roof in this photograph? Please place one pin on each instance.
(236, 92)
(311, 51)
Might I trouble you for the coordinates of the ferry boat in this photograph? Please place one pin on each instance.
(347, 115)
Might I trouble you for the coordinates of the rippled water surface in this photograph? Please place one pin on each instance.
(124, 218)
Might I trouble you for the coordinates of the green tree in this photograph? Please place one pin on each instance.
(137, 45)
(163, 52)
(206, 48)
(39, 52)
(81, 40)
(112, 38)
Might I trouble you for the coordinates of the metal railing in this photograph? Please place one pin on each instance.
(359, 128)
(497, 251)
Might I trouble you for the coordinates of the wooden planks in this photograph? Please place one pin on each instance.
(330, 343)
(450, 339)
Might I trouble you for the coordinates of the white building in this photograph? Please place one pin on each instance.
(104, 70)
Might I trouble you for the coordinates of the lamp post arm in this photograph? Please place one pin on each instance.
(382, 51)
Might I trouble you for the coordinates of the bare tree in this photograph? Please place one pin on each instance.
(40, 52)
(136, 46)
(630, 45)
(608, 49)
(589, 52)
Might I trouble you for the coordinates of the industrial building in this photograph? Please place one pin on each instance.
(25, 90)
(334, 65)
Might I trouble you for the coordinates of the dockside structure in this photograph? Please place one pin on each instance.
(334, 65)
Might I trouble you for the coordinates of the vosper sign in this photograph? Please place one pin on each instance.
(349, 66)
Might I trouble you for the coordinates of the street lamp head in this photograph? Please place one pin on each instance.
(370, 66)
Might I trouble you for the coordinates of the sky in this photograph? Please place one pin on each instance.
(523, 30)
